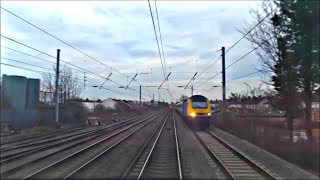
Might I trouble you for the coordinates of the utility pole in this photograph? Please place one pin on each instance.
(191, 90)
(84, 80)
(57, 87)
(223, 79)
(223, 75)
(140, 94)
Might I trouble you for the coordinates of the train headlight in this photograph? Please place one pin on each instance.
(209, 114)
(193, 114)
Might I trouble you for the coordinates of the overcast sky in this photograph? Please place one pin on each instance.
(120, 34)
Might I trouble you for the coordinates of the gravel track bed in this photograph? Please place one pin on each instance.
(113, 164)
(67, 166)
(196, 163)
(27, 136)
(57, 140)
(47, 160)
(163, 163)
(278, 166)
(56, 135)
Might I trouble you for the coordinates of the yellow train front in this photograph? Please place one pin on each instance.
(196, 110)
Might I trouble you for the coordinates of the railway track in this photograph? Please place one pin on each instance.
(159, 157)
(23, 150)
(7, 144)
(234, 163)
(11, 171)
(68, 165)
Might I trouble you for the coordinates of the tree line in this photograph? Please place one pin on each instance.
(288, 48)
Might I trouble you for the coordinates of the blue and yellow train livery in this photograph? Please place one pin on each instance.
(196, 110)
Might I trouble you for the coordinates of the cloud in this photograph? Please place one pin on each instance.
(120, 34)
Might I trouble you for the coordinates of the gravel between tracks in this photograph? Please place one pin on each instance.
(196, 163)
(47, 160)
(113, 164)
(280, 167)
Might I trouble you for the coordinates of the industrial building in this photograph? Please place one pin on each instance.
(19, 101)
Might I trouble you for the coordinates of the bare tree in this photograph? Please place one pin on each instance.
(69, 86)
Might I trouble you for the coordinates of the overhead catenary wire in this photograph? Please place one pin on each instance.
(51, 35)
(36, 57)
(161, 55)
(241, 57)
(208, 80)
(13, 60)
(232, 46)
(156, 36)
(43, 72)
(244, 76)
(84, 70)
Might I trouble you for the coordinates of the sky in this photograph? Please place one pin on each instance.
(121, 36)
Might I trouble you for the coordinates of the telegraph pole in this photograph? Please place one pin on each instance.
(140, 94)
(84, 80)
(57, 87)
(191, 90)
(223, 75)
(223, 78)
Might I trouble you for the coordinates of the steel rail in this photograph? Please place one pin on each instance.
(141, 151)
(19, 167)
(213, 155)
(177, 145)
(109, 148)
(244, 157)
(153, 146)
(52, 139)
(40, 135)
(96, 133)
(81, 151)
(44, 135)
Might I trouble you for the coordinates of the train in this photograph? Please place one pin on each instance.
(196, 110)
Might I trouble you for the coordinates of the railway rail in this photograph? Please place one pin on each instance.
(81, 137)
(24, 149)
(159, 157)
(8, 171)
(7, 144)
(234, 163)
(68, 165)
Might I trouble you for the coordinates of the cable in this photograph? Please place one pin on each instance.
(27, 69)
(28, 22)
(28, 54)
(208, 67)
(164, 59)
(42, 72)
(244, 76)
(241, 57)
(84, 70)
(37, 57)
(238, 41)
(248, 32)
(155, 33)
(208, 80)
(25, 63)
(32, 70)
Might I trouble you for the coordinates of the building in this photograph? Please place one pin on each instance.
(19, 101)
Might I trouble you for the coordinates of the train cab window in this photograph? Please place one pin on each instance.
(199, 104)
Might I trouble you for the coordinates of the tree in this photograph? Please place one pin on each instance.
(301, 20)
(183, 97)
(69, 87)
(274, 40)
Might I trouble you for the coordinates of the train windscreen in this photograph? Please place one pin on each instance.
(199, 104)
